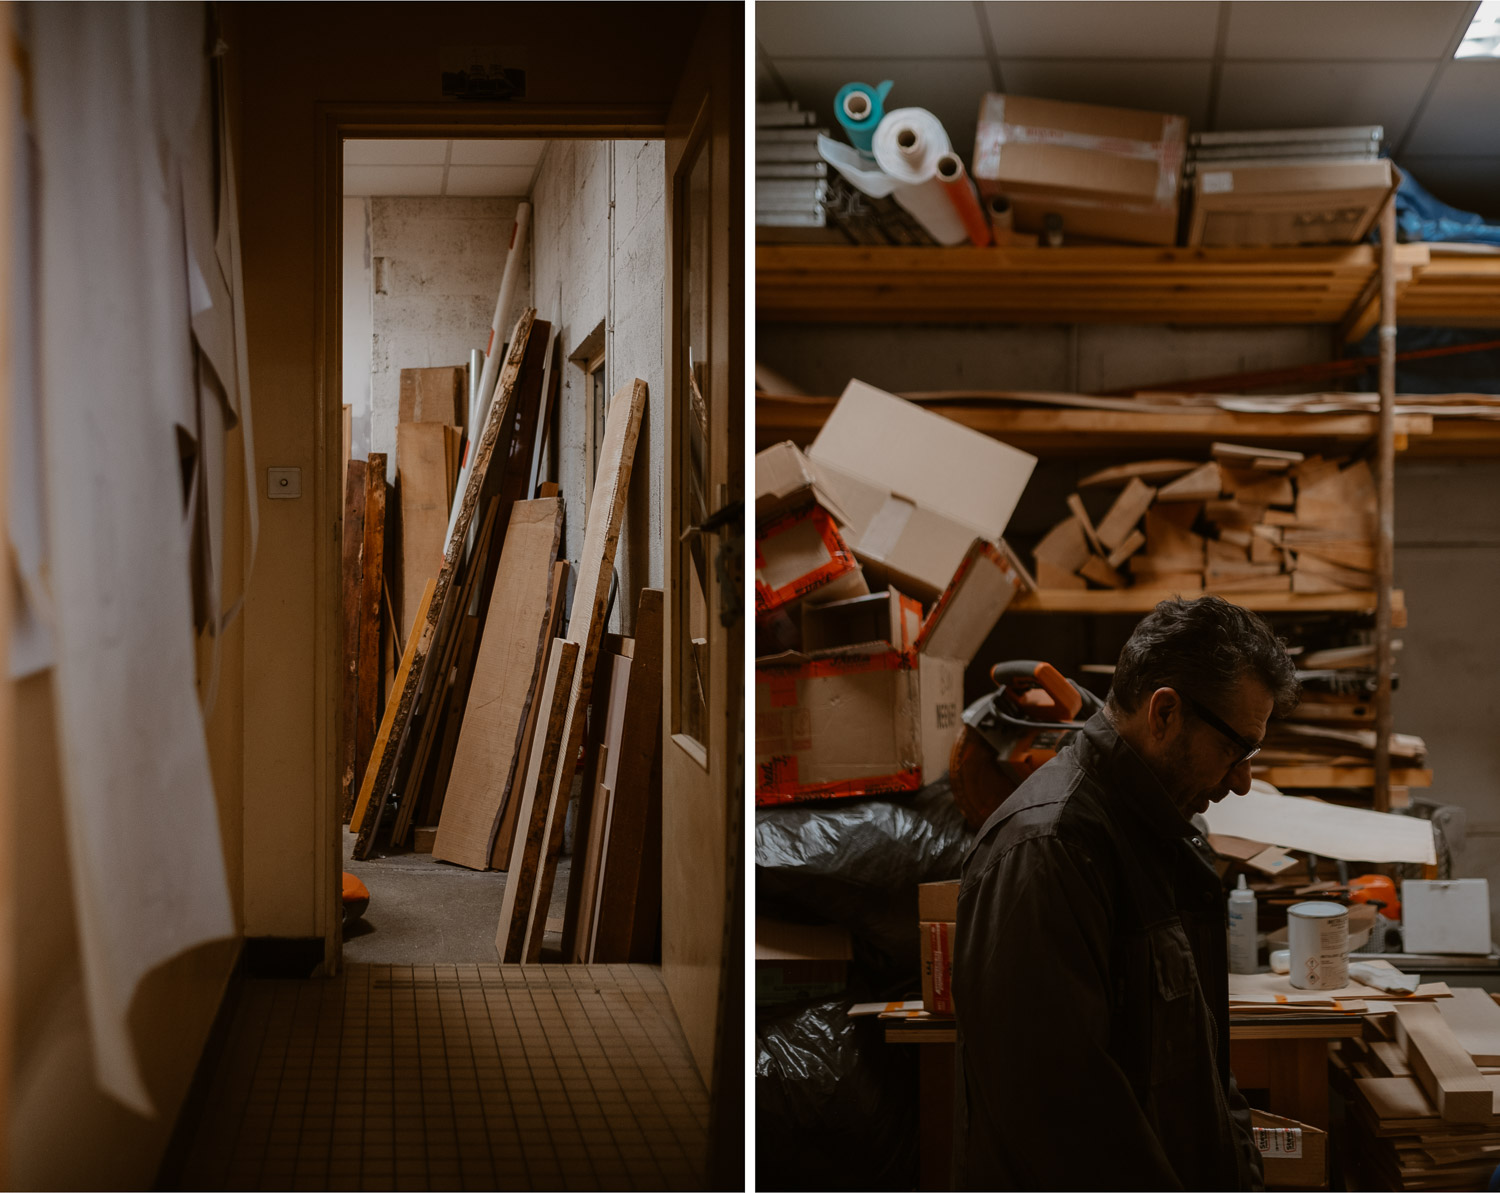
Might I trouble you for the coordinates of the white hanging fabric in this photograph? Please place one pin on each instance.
(117, 112)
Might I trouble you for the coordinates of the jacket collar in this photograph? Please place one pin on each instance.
(1110, 759)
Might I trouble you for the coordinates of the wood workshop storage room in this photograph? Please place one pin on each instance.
(1126, 783)
(374, 730)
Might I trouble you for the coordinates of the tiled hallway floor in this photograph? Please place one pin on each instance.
(454, 1077)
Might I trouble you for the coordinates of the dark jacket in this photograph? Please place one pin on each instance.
(1090, 983)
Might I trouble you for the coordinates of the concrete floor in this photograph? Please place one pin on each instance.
(425, 912)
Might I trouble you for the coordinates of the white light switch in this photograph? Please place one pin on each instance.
(283, 483)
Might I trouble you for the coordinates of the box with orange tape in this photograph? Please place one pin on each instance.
(878, 716)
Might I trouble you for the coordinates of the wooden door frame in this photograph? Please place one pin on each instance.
(337, 122)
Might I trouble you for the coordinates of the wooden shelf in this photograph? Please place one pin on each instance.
(1143, 600)
(1340, 776)
(1104, 432)
(1085, 284)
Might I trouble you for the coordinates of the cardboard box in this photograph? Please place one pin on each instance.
(799, 548)
(878, 716)
(938, 901)
(1254, 204)
(1295, 1155)
(796, 962)
(1110, 173)
(937, 967)
(915, 488)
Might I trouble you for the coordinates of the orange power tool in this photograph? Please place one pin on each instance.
(1007, 735)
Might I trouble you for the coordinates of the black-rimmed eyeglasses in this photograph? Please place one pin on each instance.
(1247, 749)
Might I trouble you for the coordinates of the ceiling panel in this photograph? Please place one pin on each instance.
(1309, 95)
(820, 29)
(1463, 113)
(1315, 29)
(1180, 88)
(1094, 29)
(394, 153)
(949, 88)
(496, 153)
(489, 180)
(393, 180)
(1468, 183)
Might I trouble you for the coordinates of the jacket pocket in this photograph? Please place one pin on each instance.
(1177, 1038)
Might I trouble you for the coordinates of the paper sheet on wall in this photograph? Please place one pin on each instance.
(118, 379)
(1328, 830)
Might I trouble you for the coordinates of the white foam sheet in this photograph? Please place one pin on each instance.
(118, 374)
(1328, 830)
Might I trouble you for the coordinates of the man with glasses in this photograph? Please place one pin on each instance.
(1090, 965)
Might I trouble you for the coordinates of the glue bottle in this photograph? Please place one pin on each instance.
(1243, 953)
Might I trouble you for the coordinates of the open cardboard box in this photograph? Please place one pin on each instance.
(1294, 1155)
(1110, 173)
(1251, 204)
(880, 715)
(915, 488)
(800, 551)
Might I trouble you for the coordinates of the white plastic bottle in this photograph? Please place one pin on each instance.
(1242, 930)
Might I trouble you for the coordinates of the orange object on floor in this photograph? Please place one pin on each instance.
(356, 897)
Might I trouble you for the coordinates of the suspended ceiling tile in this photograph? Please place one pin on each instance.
(1180, 88)
(1463, 113)
(394, 153)
(393, 180)
(949, 88)
(1313, 95)
(1095, 29)
(1315, 29)
(490, 180)
(820, 29)
(1468, 183)
(496, 153)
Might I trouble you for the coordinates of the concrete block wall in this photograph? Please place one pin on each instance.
(435, 267)
(1447, 541)
(599, 255)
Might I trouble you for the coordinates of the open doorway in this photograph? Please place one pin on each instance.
(432, 231)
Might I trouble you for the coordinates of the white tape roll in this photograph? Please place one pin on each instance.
(907, 146)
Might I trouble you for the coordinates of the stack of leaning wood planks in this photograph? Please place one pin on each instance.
(1249, 519)
(497, 697)
(1421, 1085)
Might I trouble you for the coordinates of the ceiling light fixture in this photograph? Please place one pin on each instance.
(1483, 38)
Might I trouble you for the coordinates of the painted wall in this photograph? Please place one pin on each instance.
(359, 331)
(1447, 541)
(294, 57)
(599, 256)
(436, 267)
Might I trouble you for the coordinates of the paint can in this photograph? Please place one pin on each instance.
(1318, 938)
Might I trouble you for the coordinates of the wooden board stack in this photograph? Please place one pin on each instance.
(1422, 1085)
(1250, 519)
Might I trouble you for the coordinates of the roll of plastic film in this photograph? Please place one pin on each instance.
(1318, 937)
(860, 108)
(907, 146)
(963, 196)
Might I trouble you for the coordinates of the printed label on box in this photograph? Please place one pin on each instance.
(1217, 182)
(1283, 1143)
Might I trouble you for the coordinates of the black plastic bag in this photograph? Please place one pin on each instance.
(835, 1106)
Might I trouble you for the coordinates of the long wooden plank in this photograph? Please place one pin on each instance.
(426, 498)
(542, 766)
(353, 553)
(372, 573)
(440, 611)
(507, 666)
(435, 690)
(1454, 1083)
(601, 752)
(1474, 1020)
(586, 619)
(388, 720)
(509, 812)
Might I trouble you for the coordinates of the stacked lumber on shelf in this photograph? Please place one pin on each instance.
(1421, 1086)
(1249, 519)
